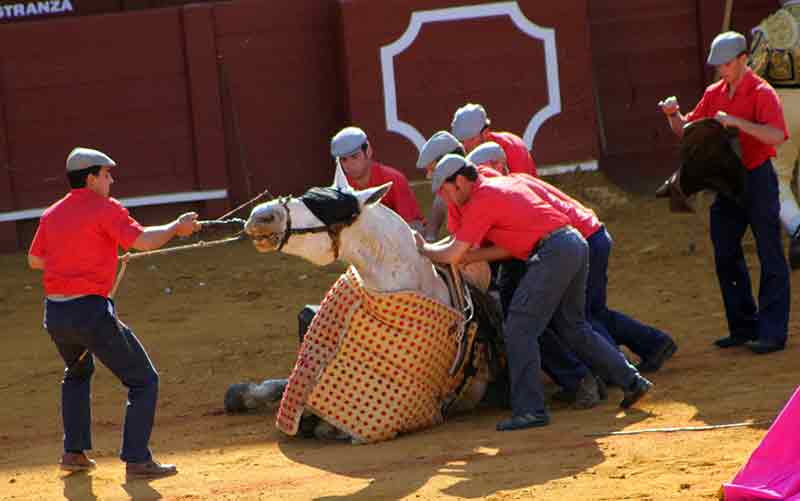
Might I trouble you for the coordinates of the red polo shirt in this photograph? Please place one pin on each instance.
(509, 214)
(78, 238)
(518, 157)
(454, 211)
(400, 198)
(580, 217)
(754, 100)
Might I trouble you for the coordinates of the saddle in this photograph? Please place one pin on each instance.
(710, 156)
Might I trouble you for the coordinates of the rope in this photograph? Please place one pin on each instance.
(237, 209)
(222, 219)
(677, 429)
(125, 258)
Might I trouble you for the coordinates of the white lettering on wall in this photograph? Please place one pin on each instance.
(37, 8)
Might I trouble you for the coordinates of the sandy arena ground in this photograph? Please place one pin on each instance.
(213, 317)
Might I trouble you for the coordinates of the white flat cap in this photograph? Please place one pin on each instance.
(83, 158)
(439, 145)
(468, 121)
(446, 167)
(725, 47)
(347, 141)
(487, 152)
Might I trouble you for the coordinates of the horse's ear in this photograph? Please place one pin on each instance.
(371, 196)
(340, 180)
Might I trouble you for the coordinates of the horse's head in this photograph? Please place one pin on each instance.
(309, 226)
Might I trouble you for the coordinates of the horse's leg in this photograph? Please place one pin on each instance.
(243, 397)
(326, 431)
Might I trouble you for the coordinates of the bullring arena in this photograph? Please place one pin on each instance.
(205, 104)
(211, 317)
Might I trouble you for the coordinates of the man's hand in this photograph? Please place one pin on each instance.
(670, 105)
(186, 224)
(727, 120)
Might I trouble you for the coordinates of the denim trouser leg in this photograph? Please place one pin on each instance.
(641, 339)
(76, 409)
(572, 326)
(553, 287)
(89, 323)
(729, 221)
(557, 360)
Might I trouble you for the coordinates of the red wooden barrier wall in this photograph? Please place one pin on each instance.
(488, 60)
(244, 95)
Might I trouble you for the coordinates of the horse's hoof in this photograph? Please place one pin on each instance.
(234, 398)
(271, 390)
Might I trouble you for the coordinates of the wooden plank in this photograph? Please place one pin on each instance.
(207, 125)
(8, 231)
(285, 91)
(56, 52)
(95, 100)
(643, 50)
(487, 60)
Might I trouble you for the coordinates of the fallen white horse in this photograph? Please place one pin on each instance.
(351, 225)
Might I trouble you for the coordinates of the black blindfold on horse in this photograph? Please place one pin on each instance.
(331, 206)
(711, 158)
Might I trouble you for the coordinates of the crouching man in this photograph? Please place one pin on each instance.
(506, 212)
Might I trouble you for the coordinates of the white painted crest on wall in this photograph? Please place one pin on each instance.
(510, 9)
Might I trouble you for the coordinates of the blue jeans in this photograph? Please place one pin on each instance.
(643, 340)
(554, 288)
(769, 320)
(82, 329)
(558, 361)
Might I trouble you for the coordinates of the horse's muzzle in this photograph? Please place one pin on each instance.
(264, 241)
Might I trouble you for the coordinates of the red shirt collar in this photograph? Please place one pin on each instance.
(84, 193)
(748, 83)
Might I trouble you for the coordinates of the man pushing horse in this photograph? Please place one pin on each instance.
(506, 212)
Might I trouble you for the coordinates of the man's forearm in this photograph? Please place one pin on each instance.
(493, 253)
(154, 237)
(677, 122)
(450, 253)
(764, 133)
(436, 219)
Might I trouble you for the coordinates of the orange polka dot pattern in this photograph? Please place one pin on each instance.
(374, 364)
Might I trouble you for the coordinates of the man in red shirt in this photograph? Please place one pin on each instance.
(651, 345)
(438, 145)
(352, 149)
(520, 224)
(472, 127)
(743, 100)
(76, 247)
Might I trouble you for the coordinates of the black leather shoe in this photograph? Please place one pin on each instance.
(794, 249)
(730, 341)
(635, 393)
(150, 469)
(762, 348)
(588, 394)
(523, 421)
(664, 353)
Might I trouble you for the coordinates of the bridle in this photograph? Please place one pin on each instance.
(280, 239)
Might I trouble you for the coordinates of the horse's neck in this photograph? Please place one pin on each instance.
(381, 247)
